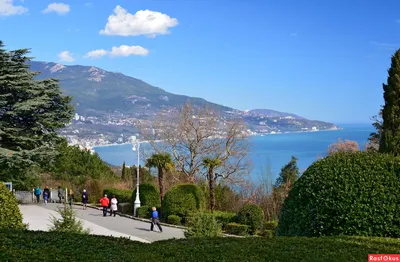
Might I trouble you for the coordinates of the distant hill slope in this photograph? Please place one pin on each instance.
(93, 88)
(106, 100)
(271, 113)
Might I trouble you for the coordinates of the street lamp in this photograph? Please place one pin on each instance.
(135, 143)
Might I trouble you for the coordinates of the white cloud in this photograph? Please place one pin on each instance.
(65, 56)
(88, 4)
(59, 8)
(123, 50)
(96, 53)
(7, 8)
(143, 22)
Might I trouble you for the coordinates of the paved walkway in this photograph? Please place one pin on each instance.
(38, 217)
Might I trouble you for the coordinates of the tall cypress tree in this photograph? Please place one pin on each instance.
(123, 172)
(390, 136)
(31, 111)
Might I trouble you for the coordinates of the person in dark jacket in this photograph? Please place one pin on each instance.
(71, 197)
(85, 198)
(60, 194)
(46, 195)
(155, 220)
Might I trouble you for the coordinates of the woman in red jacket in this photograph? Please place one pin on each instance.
(104, 203)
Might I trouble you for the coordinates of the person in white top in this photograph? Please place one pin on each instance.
(113, 208)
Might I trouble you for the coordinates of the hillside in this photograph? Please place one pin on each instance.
(94, 89)
(108, 106)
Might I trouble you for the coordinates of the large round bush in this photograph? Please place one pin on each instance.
(10, 216)
(182, 200)
(148, 194)
(253, 216)
(345, 194)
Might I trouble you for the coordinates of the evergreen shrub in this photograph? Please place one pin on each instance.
(345, 194)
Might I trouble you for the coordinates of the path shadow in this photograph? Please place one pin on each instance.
(142, 229)
(96, 215)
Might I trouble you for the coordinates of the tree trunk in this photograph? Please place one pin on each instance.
(212, 189)
(161, 183)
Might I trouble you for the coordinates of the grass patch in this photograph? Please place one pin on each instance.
(19, 245)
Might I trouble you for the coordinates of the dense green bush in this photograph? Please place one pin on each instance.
(182, 200)
(174, 220)
(345, 194)
(203, 225)
(122, 195)
(10, 216)
(68, 222)
(271, 225)
(251, 215)
(269, 233)
(19, 245)
(224, 218)
(237, 229)
(143, 212)
(148, 194)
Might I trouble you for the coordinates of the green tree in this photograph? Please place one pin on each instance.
(211, 164)
(125, 173)
(289, 173)
(390, 136)
(77, 165)
(31, 111)
(163, 163)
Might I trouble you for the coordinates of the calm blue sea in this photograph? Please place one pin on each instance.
(273, 150)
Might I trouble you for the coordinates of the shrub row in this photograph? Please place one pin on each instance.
(237, 229)
(26, 245)
(122, 195)
(183, 200)
(148, 194)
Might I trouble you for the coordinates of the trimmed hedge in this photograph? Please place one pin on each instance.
(224, 218)
(122, 195)
(10, 216)
(203, 225)
(237, 229)
(253, 216)
(174, 220)
(182, 200)
(345, 194)
(19, 245)
(143, 211)
(148, 194)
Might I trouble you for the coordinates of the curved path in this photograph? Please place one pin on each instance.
(38, 217)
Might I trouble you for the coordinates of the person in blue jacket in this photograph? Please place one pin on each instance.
(155, 220)
(37, 193)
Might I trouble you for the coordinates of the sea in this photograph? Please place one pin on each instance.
(269, 152)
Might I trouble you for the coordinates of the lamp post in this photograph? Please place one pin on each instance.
(135, 142)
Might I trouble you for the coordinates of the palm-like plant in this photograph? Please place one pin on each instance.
(163, 163)
(211, 164)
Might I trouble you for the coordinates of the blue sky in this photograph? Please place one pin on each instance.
(324, 60)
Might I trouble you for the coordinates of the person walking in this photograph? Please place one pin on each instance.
(60, 194)
(85, 199)
(113, 207)
(71, 197)
(37, 193)
(46, 195)
(104, 203)
(155, 220)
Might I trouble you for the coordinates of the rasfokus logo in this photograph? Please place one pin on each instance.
(383, 257)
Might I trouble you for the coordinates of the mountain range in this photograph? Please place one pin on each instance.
(103, 99)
